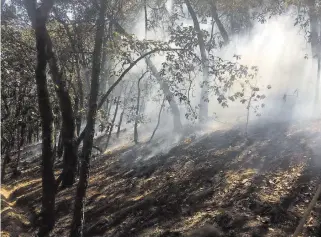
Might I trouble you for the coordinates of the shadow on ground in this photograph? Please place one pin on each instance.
(258, 186)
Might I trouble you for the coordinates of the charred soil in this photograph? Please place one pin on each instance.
(255, 186)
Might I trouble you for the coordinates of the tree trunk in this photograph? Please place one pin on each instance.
(48, 179)
(109, 105)
(203, 113)
(112, 122)
(79, 101)
(78, 116)
(20, 145)
(158, 121)
(313, 27)
(164, 86)
(317, 87)
(314, 42)
(103, 77)
(78, 217)
(60, 148)
(168, 95)
(235, 24)
(219, 23)
(37, 134)
(30, 133)
(120, 122)
(137, 110)
(38, 18)
(70, 158)
(6, 161)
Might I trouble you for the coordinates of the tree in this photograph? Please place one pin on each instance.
(164, 86)
(76, 226)
(315, 40)
(38, 16)
(203, 113)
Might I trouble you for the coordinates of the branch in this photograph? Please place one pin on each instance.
(307, 212)
(98, 149)
(105, 96)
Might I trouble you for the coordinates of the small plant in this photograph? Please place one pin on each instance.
(254, 98)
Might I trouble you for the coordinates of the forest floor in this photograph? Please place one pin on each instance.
(259, 186)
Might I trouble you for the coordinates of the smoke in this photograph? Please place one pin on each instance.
(278, 49)
(282, 55)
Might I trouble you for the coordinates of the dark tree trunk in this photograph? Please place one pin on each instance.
(315, 42)
(137, 110)
(313, 27)
(30, 135)
(70, 157)
(20, 141)
(203, 113)
(76, 226)
(6, 146)
(219, 23)
(38, 18)
(78, 116)
(112, 122)
(48, 179)
(55, 140)
(37, 134)
(109, 105)
(158, 120)
(60, 148)
(79, 101)
(120, 122)
(169, 96)
(6, 160)
(104, 75)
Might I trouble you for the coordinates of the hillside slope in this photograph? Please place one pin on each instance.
(258, 186)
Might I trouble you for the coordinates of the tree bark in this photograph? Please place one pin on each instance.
(313, 27)
(168, 95)
(315, 48)
(158, 121)
(137, 109)
(78, 101)
(120, 122)
(317, 87)
(109, 105)
(203, 113)
(103, 78)
(60, 147)
(78, 218)
(39, 18)
(219, 23)
(6, 160)
(78, 116)
(21, 140)
(70, 157)
(112, 122)
(30, 133)
(37, 134)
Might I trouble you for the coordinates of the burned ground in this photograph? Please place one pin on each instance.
(255, 186)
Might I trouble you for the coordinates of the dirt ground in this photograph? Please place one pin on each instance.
(259, 186)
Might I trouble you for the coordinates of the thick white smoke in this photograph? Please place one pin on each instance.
(283, 56)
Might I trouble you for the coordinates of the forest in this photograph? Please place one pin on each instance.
(163, 118)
